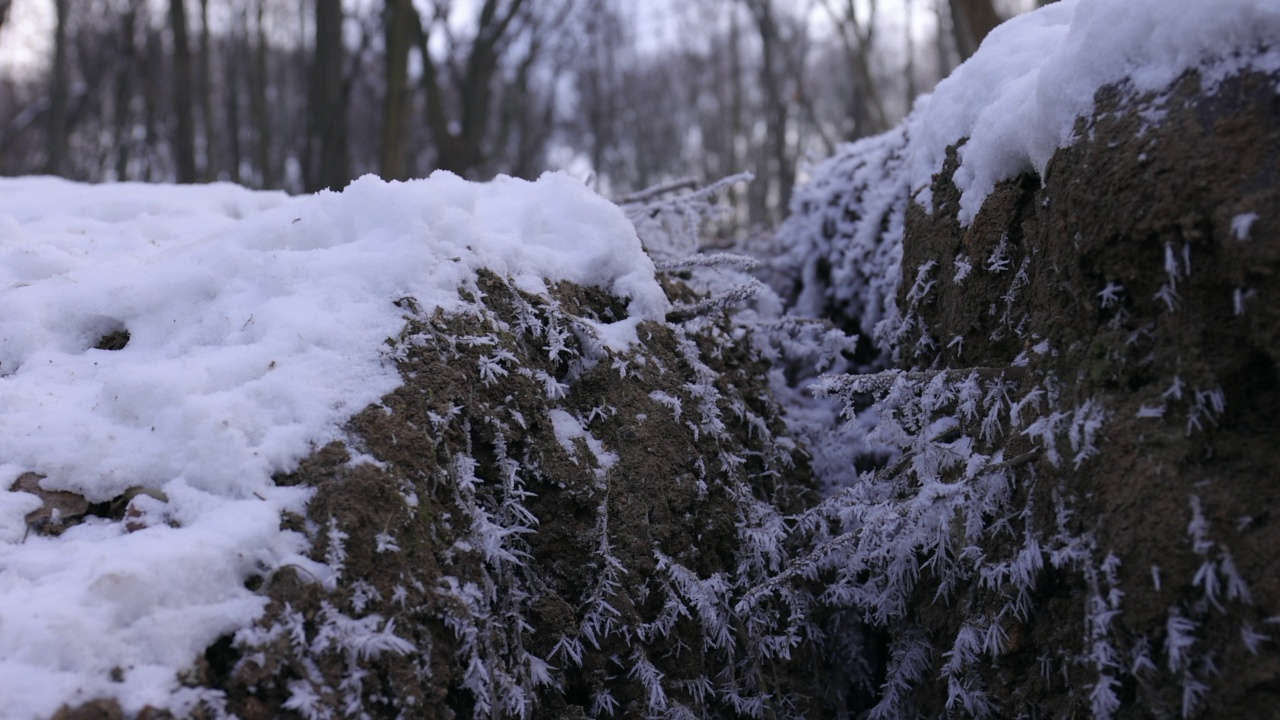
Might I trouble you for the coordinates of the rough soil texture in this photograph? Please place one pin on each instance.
(1132, 275)
(489, 568)
(1078, 518)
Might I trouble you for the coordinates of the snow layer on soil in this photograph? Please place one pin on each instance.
(255, 323)
(1017, 99)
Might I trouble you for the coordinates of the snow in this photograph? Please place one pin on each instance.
(567, 429)
(841, 246)
(1017, 99)
(256, 324)
(1241, 224)
(1007, 110)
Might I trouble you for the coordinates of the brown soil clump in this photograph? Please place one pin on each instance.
(536, 526)
(1138, 276)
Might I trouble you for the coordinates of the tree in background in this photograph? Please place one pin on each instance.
(777, 157)
(402, 30)
(483, 89)
(307, 95)
(857, 41)
(4, 11)
(184, 138)
(60, 89)
(212, 137)
(326, 162)
(971, 20)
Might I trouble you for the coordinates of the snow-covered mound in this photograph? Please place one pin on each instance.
(165, 351)
(1071, 253)
(1003, 113)
(1018, 98)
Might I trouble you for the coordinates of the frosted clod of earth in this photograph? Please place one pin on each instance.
(255, 325)
(1018, 98)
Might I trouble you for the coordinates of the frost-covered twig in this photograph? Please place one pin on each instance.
(733, 296)
(877, 385)
(668, 218)
(713, 260)
(656, 191)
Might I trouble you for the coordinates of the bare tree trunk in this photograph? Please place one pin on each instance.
(124, 89)
(59, 132)
(946, 60)
(184, 142)
(326, 164)
(526, 117)
(212, 146)
(153, 110)
(460, 144)
(599, 85)
(518, 119)
(857, 39)
(4, 11)
(477, 93)
(401, 24)
(911, 88)
(971, 20)
(599, 114)
(238, 43)
(258, 103)
(738, 103)
(777, 115)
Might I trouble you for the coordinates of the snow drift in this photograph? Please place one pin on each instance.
(250, 326)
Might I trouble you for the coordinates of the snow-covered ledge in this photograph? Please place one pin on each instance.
(167, 350)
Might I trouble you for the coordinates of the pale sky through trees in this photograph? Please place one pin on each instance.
(26, 36)
(627, 93)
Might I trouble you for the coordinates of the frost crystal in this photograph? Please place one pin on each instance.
(1241, 224)
(1179, 639)
(1110, 295)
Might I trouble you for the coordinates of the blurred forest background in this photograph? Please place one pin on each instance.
(302, 95)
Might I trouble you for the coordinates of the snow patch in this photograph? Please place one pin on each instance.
(1241, 224)
(1006, 110)
(567, 429)
(1017, 99)
(197, 340)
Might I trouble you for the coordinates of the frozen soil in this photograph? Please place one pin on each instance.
(1140, 273)
(486, 563)
(536, 525)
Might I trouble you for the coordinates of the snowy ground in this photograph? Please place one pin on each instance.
(255, 324)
